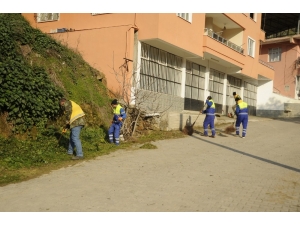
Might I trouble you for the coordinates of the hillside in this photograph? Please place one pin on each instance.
(35, 72)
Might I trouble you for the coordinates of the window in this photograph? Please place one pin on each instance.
(233, 84)
(250, 94)
(253, 16)
(185, 16)
(274, 54)
(216, 83)
(195, 79)
(287, 88)
(160, 71)
(44, 17)
(298, 84)
(251, 47)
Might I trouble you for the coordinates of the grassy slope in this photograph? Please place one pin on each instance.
(43, 148)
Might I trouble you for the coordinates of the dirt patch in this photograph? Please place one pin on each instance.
(5, 127)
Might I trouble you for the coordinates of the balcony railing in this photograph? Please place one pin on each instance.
(222, 40)
(266, 64)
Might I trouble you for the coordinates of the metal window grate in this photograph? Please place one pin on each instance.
(160, 71)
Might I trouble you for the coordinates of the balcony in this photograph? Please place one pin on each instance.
(266, 64)
(222, 40)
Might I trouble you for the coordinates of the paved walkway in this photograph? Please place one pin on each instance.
(260, 173)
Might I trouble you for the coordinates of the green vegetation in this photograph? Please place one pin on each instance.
(35, 72)
(25, 159)
(148, 146)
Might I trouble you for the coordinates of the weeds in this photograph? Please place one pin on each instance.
(148, 146)
(25, 159)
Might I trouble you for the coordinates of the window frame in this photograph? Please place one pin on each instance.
(298, 83)
(251, 53)
(39, 16)
(254, 16)
(161, 71)
(274, 51)
(185, 16)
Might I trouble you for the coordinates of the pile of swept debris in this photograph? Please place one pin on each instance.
(139, 122)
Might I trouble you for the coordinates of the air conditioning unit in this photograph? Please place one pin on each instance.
(59, 30)
(52, 31)
(62, 30)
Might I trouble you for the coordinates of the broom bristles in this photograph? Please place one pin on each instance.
(230, 129)
(188, 130)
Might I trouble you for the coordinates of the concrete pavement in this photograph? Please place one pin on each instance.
(260, 173)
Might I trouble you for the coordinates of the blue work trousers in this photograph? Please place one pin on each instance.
(209, 120)
(241, 119)
(75, 141)
(114, 132)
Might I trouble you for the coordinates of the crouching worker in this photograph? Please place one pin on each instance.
(75, 119)
(209, 118)
(241, 112)
(117, 122)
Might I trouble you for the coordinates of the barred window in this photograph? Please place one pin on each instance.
(194, 83)
(160, 71)
(216, 84)
(250, 93)
(274, 54)
(233, 85)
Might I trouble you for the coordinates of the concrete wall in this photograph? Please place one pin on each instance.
(178, 120)
(274, 105)
(153, 102)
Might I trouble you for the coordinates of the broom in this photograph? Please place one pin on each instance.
(188, 129)
(231, 128)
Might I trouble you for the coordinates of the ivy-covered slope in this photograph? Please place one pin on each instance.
(35, 72)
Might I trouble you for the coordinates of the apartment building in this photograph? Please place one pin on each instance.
(281, 51)
(169, 61)
(283, 54)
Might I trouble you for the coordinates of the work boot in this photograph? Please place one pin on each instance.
(212, 136)
(77, 157)
(203, 135)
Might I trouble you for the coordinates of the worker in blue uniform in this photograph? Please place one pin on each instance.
(209, 118)
(117, 122)
(241, 112)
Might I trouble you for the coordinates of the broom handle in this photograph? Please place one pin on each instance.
(204, 106)
(199, 114)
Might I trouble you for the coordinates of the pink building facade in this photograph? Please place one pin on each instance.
(168, 61)
(283, 54)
